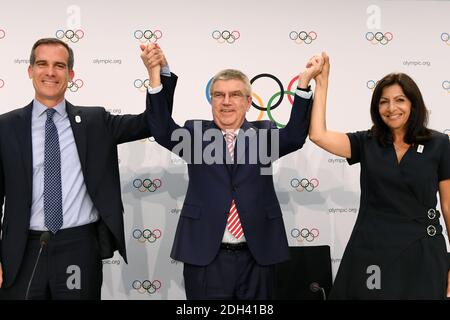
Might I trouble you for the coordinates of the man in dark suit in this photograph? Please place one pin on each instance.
(59, 174)
(231, 232)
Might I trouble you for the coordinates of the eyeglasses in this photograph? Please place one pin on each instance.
(234, 96)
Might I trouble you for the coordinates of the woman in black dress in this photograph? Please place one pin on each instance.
(396, 249)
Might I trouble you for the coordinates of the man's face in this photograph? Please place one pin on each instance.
(50, 73)
(230, 102)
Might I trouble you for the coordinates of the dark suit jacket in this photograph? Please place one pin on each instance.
(96, 138)
(213, 186)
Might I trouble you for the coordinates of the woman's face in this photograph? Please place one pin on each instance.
(394, 108)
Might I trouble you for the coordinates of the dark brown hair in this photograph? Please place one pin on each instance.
(416, 126)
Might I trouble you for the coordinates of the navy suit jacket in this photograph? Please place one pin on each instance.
(96, 138)
(212, 187)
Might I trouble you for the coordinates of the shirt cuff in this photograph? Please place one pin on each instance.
(165, 71)
(304, 94)
(154, 90)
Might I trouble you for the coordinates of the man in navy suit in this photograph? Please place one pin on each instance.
(59, 173)
(231, 232)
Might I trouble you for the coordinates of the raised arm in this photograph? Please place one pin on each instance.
(293, 135)
(337, 143)
(158, 106)
(153, 58)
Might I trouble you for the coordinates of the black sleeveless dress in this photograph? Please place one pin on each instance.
(396, 249)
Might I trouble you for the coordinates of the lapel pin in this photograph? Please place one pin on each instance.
(77, 119)
(420, 148)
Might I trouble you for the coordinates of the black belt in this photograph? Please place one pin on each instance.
(234, 246)
(86, 229)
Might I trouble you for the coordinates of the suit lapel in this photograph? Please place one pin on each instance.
(23, 132)
(78, 123)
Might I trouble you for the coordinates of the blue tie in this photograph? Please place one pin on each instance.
(52, 176)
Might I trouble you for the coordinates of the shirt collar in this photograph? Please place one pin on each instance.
(39, 109)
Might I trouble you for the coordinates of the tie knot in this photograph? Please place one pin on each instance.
(50, 113)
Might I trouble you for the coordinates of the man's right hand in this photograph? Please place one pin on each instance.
(1, 275)
(153, 59)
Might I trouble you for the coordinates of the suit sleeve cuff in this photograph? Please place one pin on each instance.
(165, 71)
(154, 90)
(304, 94)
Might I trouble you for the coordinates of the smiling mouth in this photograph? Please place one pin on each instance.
(394, 116)
(48, 82)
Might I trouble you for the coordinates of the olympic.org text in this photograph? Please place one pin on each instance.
(21, 61)
(257, 143)
(342, 210)
(416, 63)
(107, 61)
(111, 261)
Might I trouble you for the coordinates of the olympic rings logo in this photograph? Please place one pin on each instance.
(75, 85)
(2, 83)
(447, 132)
(444, 37)
(305, 234)
(147, 184)
(371, 84)
(2, 34)
(142, 85)
(303, 37)
(146, 235)
(445, 85)
(148, 35)
(226, 36)
(146, 286)
(379, 37)
(304, 184)
(270, 105)
(69, 35)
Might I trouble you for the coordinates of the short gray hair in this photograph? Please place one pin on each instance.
(232, 74)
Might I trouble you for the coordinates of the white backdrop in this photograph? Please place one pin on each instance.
(201, 38)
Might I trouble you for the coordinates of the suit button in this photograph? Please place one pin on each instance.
(431, 230)
(431, 214)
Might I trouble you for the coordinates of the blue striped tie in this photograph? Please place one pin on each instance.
(52, 176)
